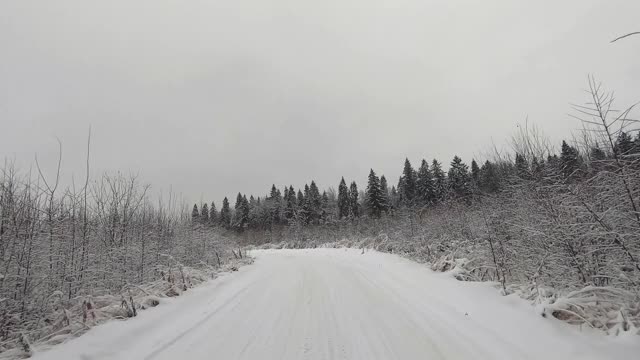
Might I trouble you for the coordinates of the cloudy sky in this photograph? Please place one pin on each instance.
(215, 97)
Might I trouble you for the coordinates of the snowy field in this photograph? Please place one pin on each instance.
(341, 304)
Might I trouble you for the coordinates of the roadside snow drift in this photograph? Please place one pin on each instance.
(341, 304)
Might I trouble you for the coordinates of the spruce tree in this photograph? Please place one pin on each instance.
(386, 200)
(407, 184)
(237, 214)
(225, 214)
(325, 206)
(245, 209)
(204, 214)
(475, 173)
(304, 205)
(343, 200)
(354, 206)
(373, 199)
(424, 184)
(275, 205)
(458, 178)
(439, 181)
(290, 203)
(394, 198)
(315, 203)
(195, 214)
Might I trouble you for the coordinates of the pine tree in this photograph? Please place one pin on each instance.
(354, 206)
(343, 200)
(424, 185)
(225, 214)
(386, 200)
(195, 214)
(407, 184)
(373, 198)
(439, 181)
(458, 178)
(204, 214)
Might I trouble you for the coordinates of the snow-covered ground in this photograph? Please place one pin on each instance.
(341, 304)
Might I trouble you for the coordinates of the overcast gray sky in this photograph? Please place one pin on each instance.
(215, 97)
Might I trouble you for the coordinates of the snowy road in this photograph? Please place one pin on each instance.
(339, 304)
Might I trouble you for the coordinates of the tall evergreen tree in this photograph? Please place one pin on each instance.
(245, 209)
(315, 203)
(354, 205)
(439, 181)
(386, 200)
(424, 184)
(275, 205)
(204, 214)
(237, 214)
(394, 197)
(407, 184)
(373, 199)
(195, 214)
(343, 200)
(290, 203)
(475, 173)
(225, 214)
(325, 206)
(458, 178)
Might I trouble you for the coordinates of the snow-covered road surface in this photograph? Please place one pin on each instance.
(341, 304)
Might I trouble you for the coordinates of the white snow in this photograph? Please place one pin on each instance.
(341, 304)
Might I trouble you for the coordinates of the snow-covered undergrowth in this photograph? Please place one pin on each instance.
(612, 310)
(70, 318)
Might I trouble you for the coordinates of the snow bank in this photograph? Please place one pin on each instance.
(68, 319)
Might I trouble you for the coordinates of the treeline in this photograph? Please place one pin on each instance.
(425, 187)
